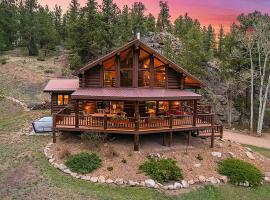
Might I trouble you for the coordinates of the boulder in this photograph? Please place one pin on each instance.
(250, 155)
(184, 184)
(216, 154)
(177, 185)
(150, 183)
(131, 183)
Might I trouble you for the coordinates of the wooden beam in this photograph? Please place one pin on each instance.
(136, 142)
(212, 138)
(170, 138)
(76, 110)
(194, 112)
(152, 71)
(53, 129)
(135, 66)
(182, 81)
(117, 81)
(101, 76)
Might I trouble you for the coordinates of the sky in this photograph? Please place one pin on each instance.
(215, 12)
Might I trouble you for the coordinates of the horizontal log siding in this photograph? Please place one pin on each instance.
(174, 79)
(55, 107)
(92, 77)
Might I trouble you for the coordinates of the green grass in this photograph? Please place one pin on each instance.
(263, 151)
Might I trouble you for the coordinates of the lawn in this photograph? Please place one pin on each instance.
(263, 151)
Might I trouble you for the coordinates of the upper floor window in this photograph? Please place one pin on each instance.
(159, 73)
(62, 99)
(144, 69)
(109, 72)
(126, 67)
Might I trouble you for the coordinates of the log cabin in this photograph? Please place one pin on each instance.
(132, 90)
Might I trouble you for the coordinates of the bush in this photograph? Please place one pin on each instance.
(239, 171)
(162, 170)
(41, 57)
(83, 163)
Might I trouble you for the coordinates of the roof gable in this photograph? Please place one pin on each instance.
(138, 44)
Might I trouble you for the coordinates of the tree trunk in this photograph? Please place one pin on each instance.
(251, 92)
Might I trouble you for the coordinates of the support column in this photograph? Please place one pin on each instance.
(136, 142)
(164, 139)
(189, 138)
(194, 112)
(170, 138)
(212, 138)
(76, 109)
(152, 71)
(117, 80)
(135, 66)
(53, 129)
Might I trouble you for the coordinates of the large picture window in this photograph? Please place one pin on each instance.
(144, 69)
(109, 72)
(159, 73)
(126, 67)
(62, 99)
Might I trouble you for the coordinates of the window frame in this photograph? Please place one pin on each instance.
(63, 99)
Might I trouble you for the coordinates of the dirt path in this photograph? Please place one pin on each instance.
(22, 104)
(263, 141)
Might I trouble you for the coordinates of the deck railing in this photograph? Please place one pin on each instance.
(132, 123)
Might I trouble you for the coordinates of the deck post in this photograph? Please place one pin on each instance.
(136, 142)
(164, 139)
(194, 112)
(189, 138)
(76, 114)
(171, 121)
(221, 131)
(212, 137)
(170, 138)
(105, 122)
(53, 129)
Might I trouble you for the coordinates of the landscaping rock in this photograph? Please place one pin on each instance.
(216, 154)
(177, 185)
(119, 181)
(142, 183)
(170, 187)
(196, 180)
(202, 179)
(131, 183)
(109, 181)
(198, 165)
(231, 154)
(267, 179)
(155, 156)
(249, 149)
(191, 182)
(250, 155)
(94, 179)
(62, 167)
(51, 160)
(101, 179)
(67, 171)
(213, 180)
(150, 183)
(224, 179)
(184, 184)
(245, 184)
(87, 178)
(73, 174)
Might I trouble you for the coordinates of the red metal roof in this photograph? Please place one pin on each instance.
(134, 94)
(62, 85)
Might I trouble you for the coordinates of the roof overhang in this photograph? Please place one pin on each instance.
(133, 94)
(62, 85)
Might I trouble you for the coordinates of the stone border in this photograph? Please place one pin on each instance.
(148, 183)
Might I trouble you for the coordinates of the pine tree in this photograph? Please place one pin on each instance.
(163, 22)
(209, 41)
(138, 18)
(220, 40)
(58, 22)
(124, 26)
(150, 23)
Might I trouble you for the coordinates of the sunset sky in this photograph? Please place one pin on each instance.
(215, 12)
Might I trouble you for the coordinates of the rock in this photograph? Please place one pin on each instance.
(177, 185)
(119, 181)
(231, 154)
(220, 145)
(191, 182)
(62, 167)
(155, 156)
(131, 183)
(73, 174)
(198, 165)
(87, 178)
(150, 183)
(216, 154)
(221, 139)
(101, 179)
(196, 180)
(165, 187)
(156, 186)
(142, 183)
(202, 179)
(109, 181)
(94, 179)
(224, 179)
(250, 155)
(266, 179)
(213, 180)
(51, 160)
(67, 171)
(184, 184)
(170, 187)
(159, 184)
(249, 149)
(245, 184)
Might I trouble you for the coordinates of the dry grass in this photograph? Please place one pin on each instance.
(64, 153)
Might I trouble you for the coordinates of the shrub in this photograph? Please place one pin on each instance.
(109, 168)
(124, 161)
(83, 163)
(199, 157)
(239, 171)
(162, 170)
(93, 140)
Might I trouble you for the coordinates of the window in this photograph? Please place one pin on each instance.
(116, 107)
(109, 72)
(126, 67)
(144, 69)
(62, 99)
(159, 73)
